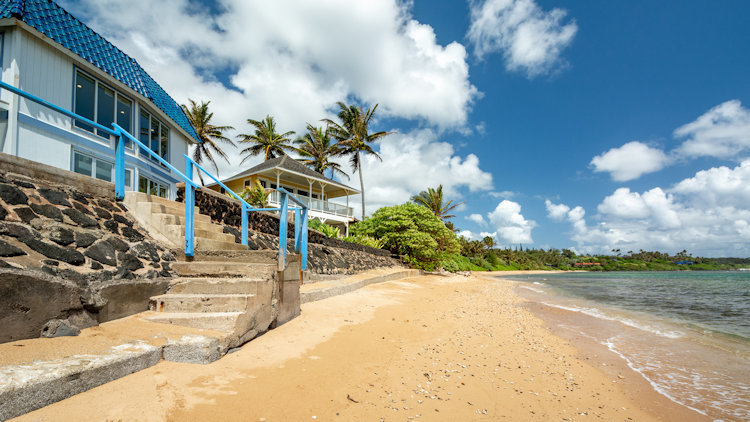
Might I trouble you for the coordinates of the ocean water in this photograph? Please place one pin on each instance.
(686, 333)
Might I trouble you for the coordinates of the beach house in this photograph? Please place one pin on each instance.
(47, 52)
(309, 186)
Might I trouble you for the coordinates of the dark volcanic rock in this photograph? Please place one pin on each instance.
(119, 244)
(59, 328)
(80, 197)
(102, 213)
(24, 184)
(55, 196)
(25, 214)
(168, 256)
(50, 250)
(51, 262)
(48, 210)
(3, 212)
(132, 234)
(105, 203)
(12, 195)
(237, 234)
(82, 208)
(80, 219)
(6, 249)
(96, 266)
(60, 235)
(18, 231)
(103, 252)
(112, 226)
(129, 261)
(122, 220)
(84, 240)
(121, 206)
(146, 250)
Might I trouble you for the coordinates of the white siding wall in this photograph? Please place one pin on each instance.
(46, 73)
(178, 147)
(43, 147)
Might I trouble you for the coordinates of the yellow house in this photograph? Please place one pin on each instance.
(306, 184)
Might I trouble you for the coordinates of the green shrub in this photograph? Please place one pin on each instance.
(257, 196)
(324, 228)
(412, 231)
(365, 240)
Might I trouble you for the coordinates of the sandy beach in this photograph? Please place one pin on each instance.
(424, 348)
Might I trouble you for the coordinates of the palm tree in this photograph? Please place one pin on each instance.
(433, 200)
(265, 140)
(354, 137)
(208, 134)
(316, 148)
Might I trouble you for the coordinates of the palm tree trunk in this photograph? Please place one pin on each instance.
(361, 186)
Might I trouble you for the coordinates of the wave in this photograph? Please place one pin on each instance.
(596, 313)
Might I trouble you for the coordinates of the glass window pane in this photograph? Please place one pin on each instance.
(105, 108)
(164, 138)
(152, 187)
(125, 117)
(128, 178)
(84, 102)
(103, 170)
(162, 191)
(82, 164)
(143, 131)
(154, 135)
(142, 184)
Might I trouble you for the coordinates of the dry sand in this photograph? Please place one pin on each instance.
(424, 348)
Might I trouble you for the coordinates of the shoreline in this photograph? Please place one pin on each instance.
(443, 348)
(633, 383)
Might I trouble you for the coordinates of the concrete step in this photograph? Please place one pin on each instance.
(200, 302)
(265, 256)
(216, 285)
(223, 269)
(201, 221)
(213, 233)
(211, 244)
(174, 209)
(219, 321)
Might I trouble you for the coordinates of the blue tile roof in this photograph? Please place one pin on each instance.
(56, 23)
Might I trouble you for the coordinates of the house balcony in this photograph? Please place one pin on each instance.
(324, 210)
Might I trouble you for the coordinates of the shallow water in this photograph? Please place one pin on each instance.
(686, 333)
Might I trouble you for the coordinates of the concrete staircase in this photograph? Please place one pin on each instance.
(165, 221)
(224, 287)
(240, 293)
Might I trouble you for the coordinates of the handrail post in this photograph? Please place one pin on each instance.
(119, 166)
(282, 229)
(297, 229)
(189, 212)
(245, 227)
(303, 242)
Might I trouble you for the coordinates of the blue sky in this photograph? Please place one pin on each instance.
(592, 125)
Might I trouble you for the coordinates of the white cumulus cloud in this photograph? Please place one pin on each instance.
(478, 219)
(722, 132)
(530, 38)
(510, 224)
(292, 59)
(630, 161)
(707, 214)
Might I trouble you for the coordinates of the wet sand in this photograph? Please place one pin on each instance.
(424, 348)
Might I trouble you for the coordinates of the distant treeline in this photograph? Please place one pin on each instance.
(482, 255)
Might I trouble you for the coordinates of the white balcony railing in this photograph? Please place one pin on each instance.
(317, 205)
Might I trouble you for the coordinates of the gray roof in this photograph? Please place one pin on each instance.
(289, 164)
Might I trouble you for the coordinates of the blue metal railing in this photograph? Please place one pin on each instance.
(300, 216)
(300, 213)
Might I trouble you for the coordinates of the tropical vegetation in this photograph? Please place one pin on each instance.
(209, 134)
(353, 135)
(316, 149)
(257, 195)
(265, 140)
(433, 200)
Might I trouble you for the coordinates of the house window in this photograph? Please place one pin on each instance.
(102, 104)
(153, 134)
(302, 192)
(247, 183)
(315, 195)
(152, 187)
(98, 168)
